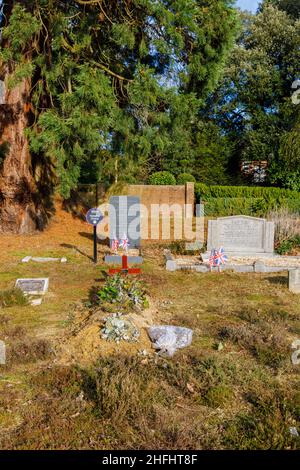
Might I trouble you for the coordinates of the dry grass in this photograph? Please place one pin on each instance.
(287, 224)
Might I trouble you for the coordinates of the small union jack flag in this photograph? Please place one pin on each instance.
(222, 258)
(125, 243)
(115, 245)
(212, 258)
(217, 257)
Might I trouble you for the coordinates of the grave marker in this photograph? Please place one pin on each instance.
(2, 353)
(2, 92)
(38, 286)
(241, 235)
(125, 218)
(125, 268)
(94, 217)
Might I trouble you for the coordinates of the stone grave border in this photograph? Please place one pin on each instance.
(173, 264)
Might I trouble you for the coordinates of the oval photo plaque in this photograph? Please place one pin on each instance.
(94, 216)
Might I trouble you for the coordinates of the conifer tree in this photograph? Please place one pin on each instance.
(85, 77)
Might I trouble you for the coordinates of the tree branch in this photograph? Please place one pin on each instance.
(103, 67)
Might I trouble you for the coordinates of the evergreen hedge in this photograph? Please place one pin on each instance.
(247, 200)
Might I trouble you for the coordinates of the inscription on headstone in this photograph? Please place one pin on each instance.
(241, 235)
(125, 219)
(33, 286)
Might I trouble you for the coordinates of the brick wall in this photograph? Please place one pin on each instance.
(152, 194)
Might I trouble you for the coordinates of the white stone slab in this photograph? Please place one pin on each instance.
(241, 234)
(43, 259)
(36, 302)
(2, 353)
(33, 286)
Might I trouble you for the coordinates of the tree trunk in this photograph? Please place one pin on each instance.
(18, 195)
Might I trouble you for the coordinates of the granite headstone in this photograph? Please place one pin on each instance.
(125, 219)
(241, 235)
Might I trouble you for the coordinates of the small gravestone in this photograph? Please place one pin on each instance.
(2, 92)
(43, 259)
(125, 219)
(2, 353)
(294, 281)
(38, 286)
(241, 236)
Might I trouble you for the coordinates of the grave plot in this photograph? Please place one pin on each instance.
(124, 234)
(247, 242)
(33, 287)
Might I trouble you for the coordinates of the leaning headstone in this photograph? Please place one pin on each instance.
(38, 286)
(294, 281)
(241, 236)
(125, 219)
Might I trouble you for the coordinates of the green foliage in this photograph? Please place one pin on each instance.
(253, 106)
(287, 246)
(11, 297)
(247, 200)
(123, 291)
(162, 178)
(122, 79)
(22, 27)
(218, 395)
(183, 178)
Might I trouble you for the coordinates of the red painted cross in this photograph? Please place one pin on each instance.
(125, 269)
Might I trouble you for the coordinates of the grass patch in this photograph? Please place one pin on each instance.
(265, 428)
(11, 297)
(271, 349)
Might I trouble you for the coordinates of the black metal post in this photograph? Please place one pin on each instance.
(95, 244)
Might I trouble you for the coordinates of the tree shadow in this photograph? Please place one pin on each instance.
(279, 280)
(67, 245)
(75, 205)
(90, 236)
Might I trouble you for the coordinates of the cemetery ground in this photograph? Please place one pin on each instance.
(64, 387)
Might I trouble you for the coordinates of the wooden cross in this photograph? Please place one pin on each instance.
(124, 269)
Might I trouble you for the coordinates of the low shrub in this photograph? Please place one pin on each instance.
(25, 350)
(124, 291)
(218, 395)
(11, 297)
(287, 246)
(287, 229)
(266, 427)
(162, 178)
(185, 178)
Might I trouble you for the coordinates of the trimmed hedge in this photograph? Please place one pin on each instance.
(247, 200)
(207, 192)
